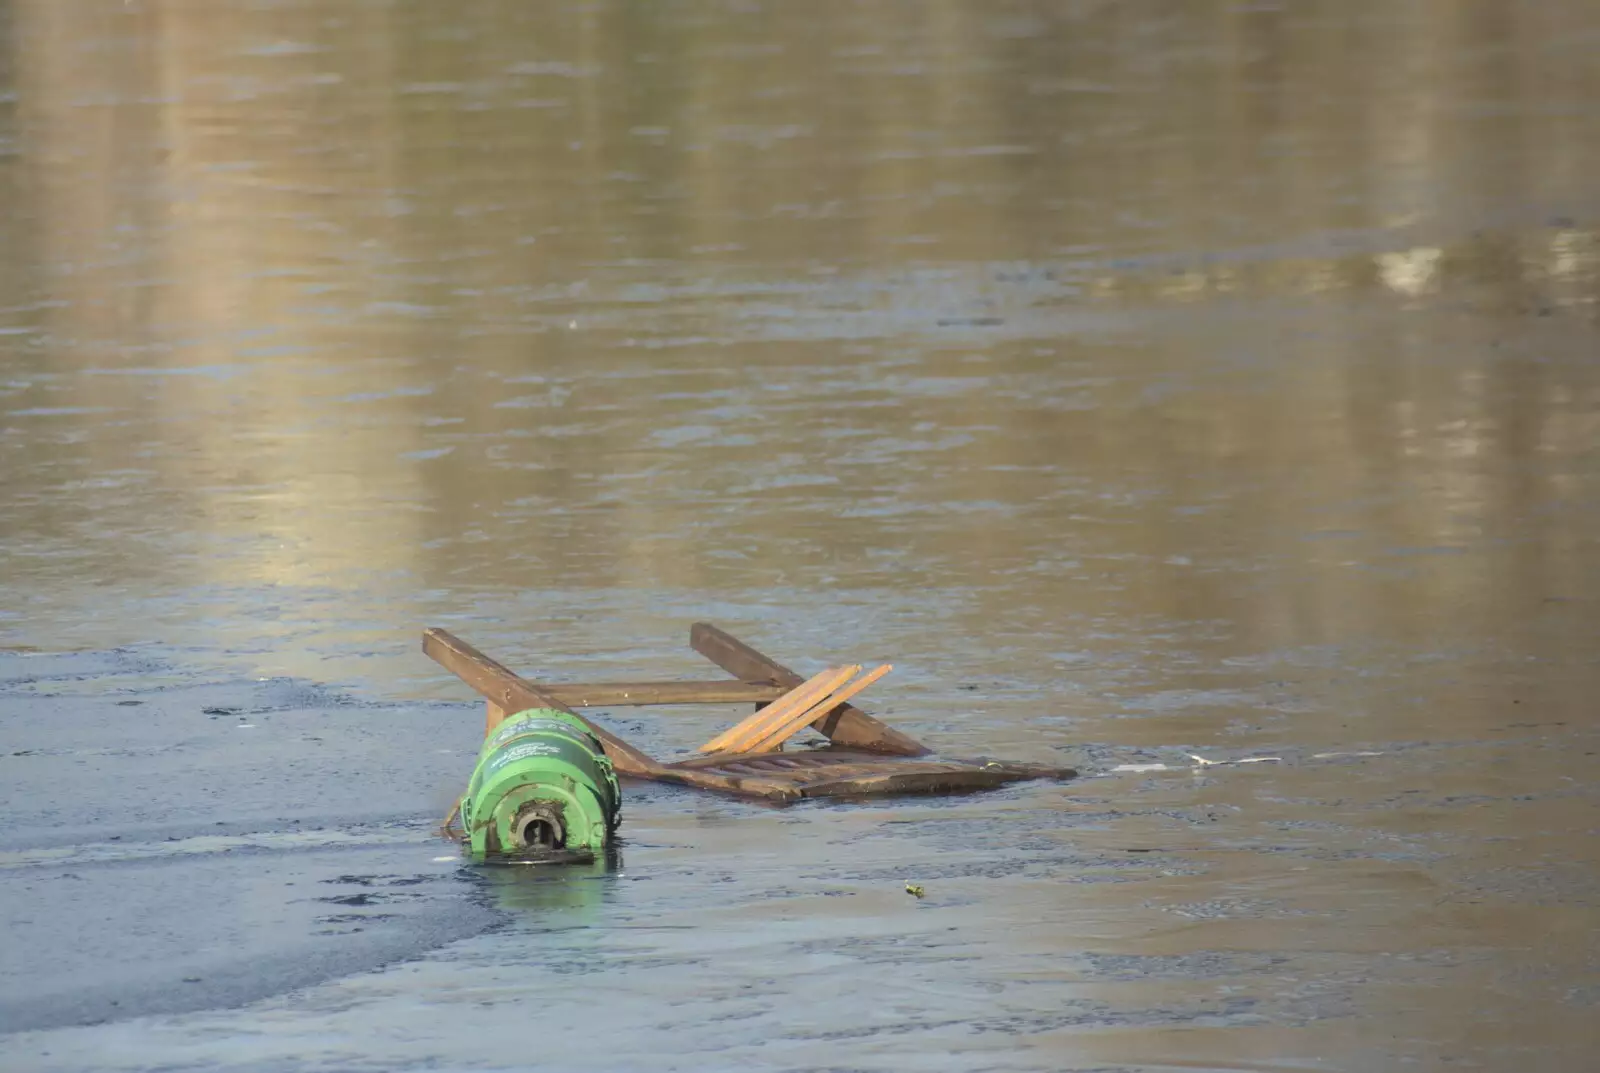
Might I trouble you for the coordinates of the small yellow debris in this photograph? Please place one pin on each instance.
(914, 890)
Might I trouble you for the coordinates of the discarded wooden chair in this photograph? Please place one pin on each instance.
(865, 757)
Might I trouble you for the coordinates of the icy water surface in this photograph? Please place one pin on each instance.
(1216, 382)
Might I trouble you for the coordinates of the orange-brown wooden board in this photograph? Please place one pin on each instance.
(845, 725)
(737, 738)
(775, 733)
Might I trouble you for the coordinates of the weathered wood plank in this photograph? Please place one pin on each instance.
(774, 734)
(799, 699)
(921, 777)
(775, 790)
(623, 694)
(918, 780)
(806, 758)
(513, 693)
(843, 725)
(846, 774)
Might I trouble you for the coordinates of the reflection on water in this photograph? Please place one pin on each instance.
(1222, 376)
(573, 889)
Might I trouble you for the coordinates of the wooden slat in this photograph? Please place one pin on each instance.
(798, 698)
(776, 733)
(807, 758)
(622, 694)
(916, 779)
(844, 725)
(514, 694)
(737, 737)
(778, 791)
(922, 777)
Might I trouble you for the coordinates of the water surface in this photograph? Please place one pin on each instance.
(1144, 385)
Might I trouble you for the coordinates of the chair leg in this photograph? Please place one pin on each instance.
(494, 715)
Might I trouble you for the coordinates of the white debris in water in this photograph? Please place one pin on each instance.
(1199, 762)
(1203, 762)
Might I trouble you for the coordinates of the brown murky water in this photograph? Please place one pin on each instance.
(1221, 381)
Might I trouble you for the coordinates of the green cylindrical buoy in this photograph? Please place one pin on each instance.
(542, 783)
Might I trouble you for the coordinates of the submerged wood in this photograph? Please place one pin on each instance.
(845, 725)
(788, 777)
(775, 777)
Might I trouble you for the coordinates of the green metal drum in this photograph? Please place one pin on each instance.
(542, 783)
